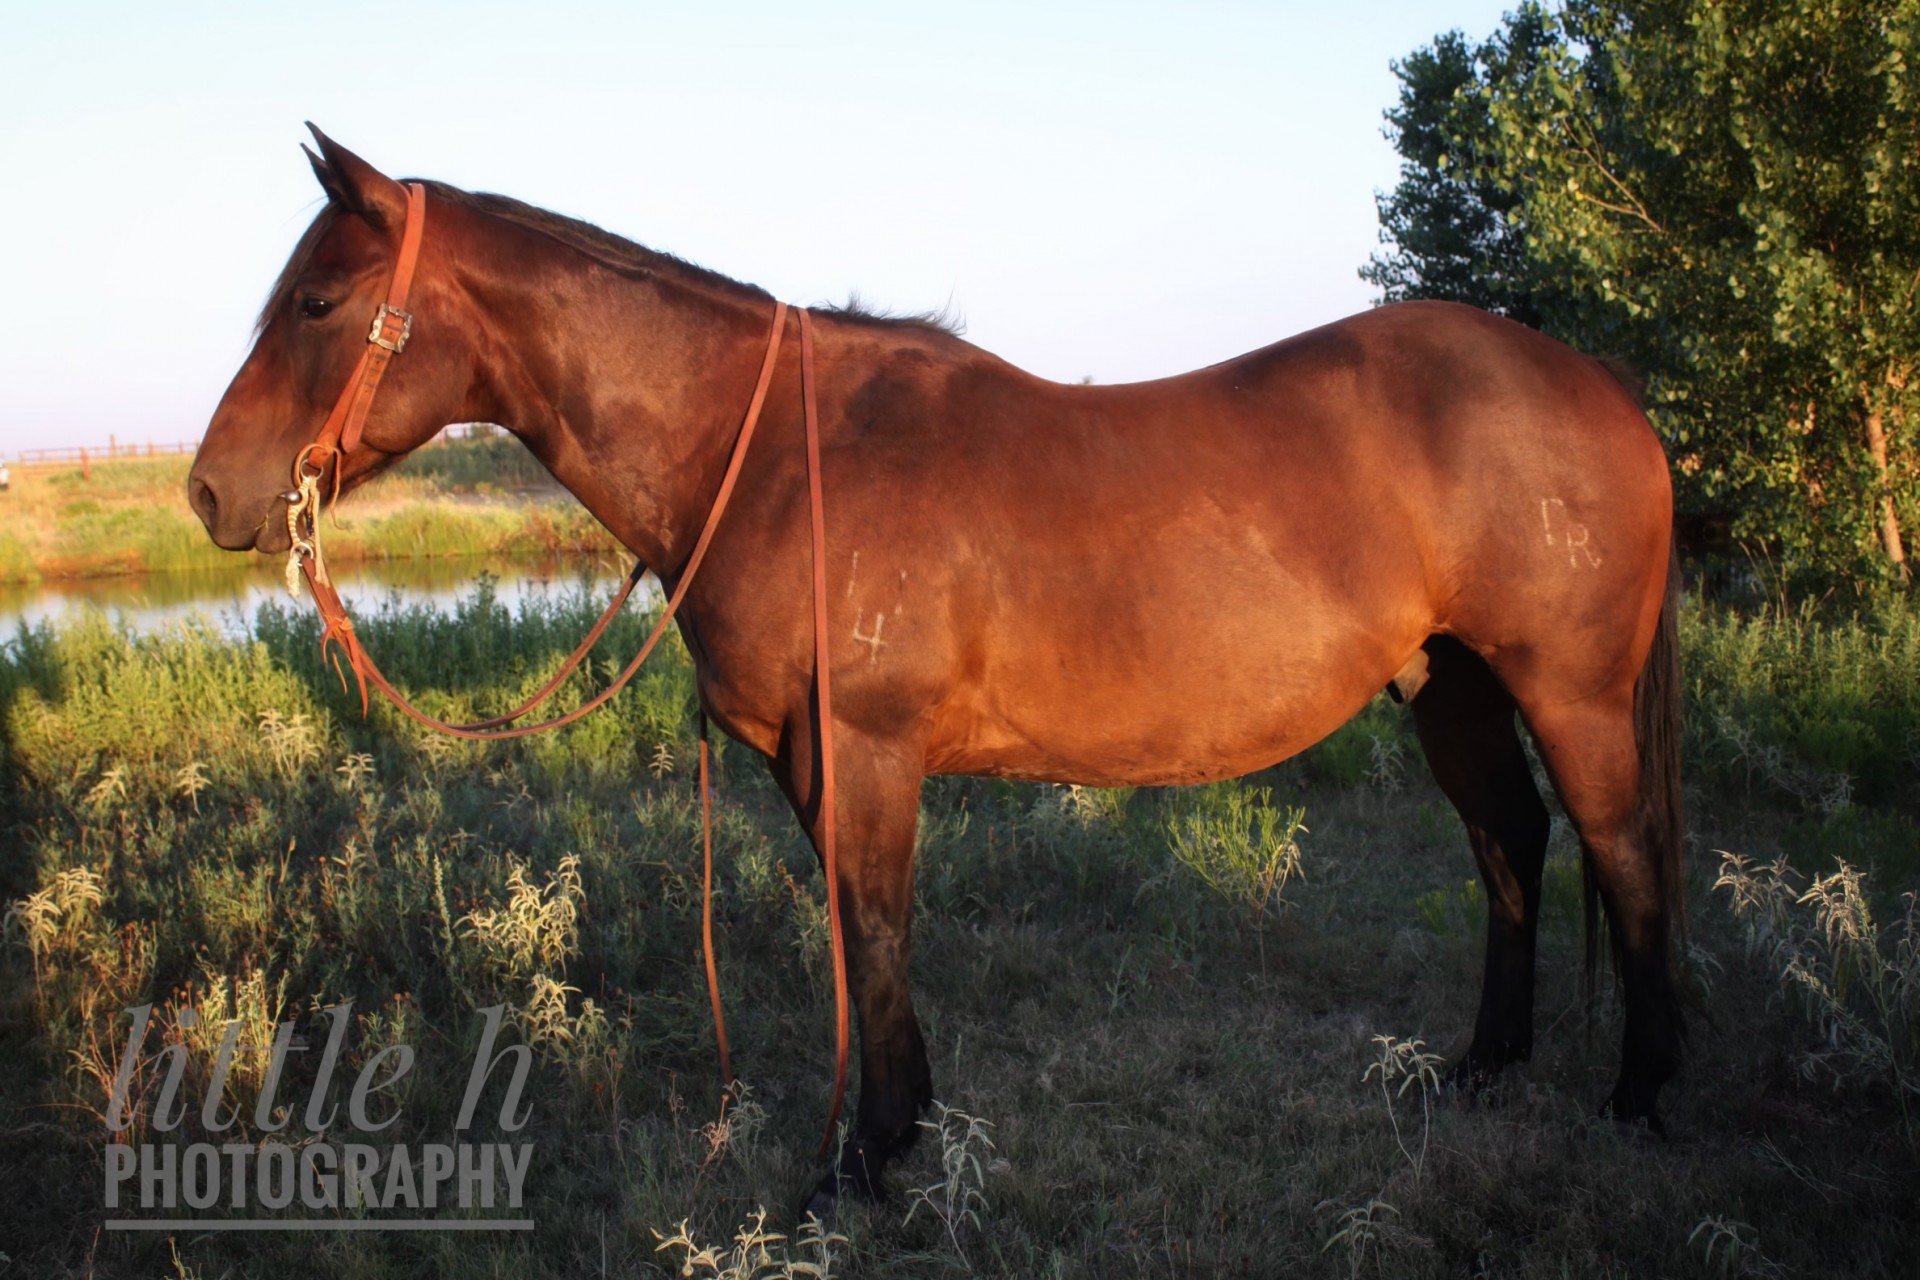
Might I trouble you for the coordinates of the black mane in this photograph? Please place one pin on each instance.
(860, 311)
(611, 251)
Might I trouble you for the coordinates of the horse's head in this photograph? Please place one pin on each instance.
(311, 338)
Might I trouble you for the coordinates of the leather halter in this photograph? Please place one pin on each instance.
(340, 435)
(392, 326)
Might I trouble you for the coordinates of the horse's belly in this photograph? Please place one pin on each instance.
(1195, 701)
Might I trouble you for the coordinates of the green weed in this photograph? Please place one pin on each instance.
(1367, 1233)
(1407, 1062)
(753, 1253)
(59, 916)
(1729, 1248)
(957, 1198)
(1860, 991)
(1244, 848)
(1451, 911)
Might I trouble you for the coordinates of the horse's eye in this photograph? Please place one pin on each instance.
(315, 308)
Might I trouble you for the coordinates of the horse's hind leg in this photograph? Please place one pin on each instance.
(1465, 719)
(1591, 751)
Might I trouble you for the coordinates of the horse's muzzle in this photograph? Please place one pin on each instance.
(228, 523)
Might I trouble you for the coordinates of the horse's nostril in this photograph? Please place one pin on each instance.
(200, 498)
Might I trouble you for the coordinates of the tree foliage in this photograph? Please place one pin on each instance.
(1449, 221)
(1727, 194)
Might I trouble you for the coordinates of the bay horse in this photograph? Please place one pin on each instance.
(1173, 581)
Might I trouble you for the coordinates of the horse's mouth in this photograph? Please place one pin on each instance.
(274, 540)
(273, 537)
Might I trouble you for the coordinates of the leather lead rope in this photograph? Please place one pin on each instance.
(706, 921)
(823, 687)
(387, 338)
(339, 627)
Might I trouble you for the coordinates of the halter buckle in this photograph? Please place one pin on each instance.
(391, 328)
(304, 466)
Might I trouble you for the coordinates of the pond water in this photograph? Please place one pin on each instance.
(230, 598)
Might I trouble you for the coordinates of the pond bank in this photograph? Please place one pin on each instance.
(130, 517)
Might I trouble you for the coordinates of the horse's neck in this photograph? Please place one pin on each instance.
(633, 406)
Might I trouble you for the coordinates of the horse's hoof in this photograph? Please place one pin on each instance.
(824, 1201)
(1638, 1121)
(1645, 1128)
(1469, 1080)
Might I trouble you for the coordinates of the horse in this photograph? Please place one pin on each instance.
(1166, 582)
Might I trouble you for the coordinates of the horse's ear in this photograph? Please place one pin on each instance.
(328, 182)
(355, 185)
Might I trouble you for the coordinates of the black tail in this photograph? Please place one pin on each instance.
(1657, 730)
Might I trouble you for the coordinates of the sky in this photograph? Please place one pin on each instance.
(1114, 190)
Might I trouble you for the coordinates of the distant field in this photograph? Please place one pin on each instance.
(193, 819)
(482, 497)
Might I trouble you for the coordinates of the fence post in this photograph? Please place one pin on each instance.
(85, 472)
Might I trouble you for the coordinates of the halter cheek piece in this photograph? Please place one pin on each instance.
(340, 435)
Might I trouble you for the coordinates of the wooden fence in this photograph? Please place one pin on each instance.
(94, 453)
(84, 455)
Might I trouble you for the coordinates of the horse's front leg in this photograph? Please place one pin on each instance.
(877, 803)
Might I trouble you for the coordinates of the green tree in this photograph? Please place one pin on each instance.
(1448, 221)
(1727, 193)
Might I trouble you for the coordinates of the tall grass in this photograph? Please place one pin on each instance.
(200, 819)
(1799, 701)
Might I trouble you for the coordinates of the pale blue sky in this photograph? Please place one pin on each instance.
(1118, 190)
